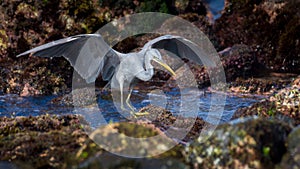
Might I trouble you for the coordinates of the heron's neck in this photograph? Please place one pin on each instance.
(148, 71)
(148, 65)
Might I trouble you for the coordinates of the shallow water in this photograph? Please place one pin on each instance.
(178, 102)
(215, 7)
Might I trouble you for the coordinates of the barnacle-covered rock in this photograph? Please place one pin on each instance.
(284, 104)
(79, 97)
(267, 85)
(287, 101)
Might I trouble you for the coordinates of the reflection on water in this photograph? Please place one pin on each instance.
(13, 105)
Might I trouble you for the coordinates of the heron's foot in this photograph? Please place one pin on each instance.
(133, 111)
(137, 114)
(133, 114)
(141, 113)
(123, 108)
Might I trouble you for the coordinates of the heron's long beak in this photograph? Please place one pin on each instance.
(167, 67)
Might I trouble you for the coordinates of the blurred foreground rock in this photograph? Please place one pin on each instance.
(292, 158)
(60, 142)
(252, 144)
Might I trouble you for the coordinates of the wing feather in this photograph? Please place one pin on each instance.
(89, 54)
(181, 47)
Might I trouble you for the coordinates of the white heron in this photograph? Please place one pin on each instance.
(90, 55)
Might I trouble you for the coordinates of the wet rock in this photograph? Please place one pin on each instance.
(78, 97)
(296, 82)
(264, 108)
(287, 101)
(201, 23)
(252, 144)
(283, 104)
(167, 121)
(44, 141)
(3, 41)
(28, 90)
(267, 85)
(44, 123)
(60, 142)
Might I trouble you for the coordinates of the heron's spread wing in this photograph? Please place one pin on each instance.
(182, 48)
(88, 54)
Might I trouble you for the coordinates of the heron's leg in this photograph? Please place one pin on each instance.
(128, 101)
(122, 102)
(121, 92)
(133, 111)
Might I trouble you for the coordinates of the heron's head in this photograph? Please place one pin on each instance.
(154, 54)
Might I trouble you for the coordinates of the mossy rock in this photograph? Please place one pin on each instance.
(131, 139)
(292, 156)
(253, 144)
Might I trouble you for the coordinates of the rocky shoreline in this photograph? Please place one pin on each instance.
(60, 142)
(264, 135)
(243, 55)
(258, 46)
